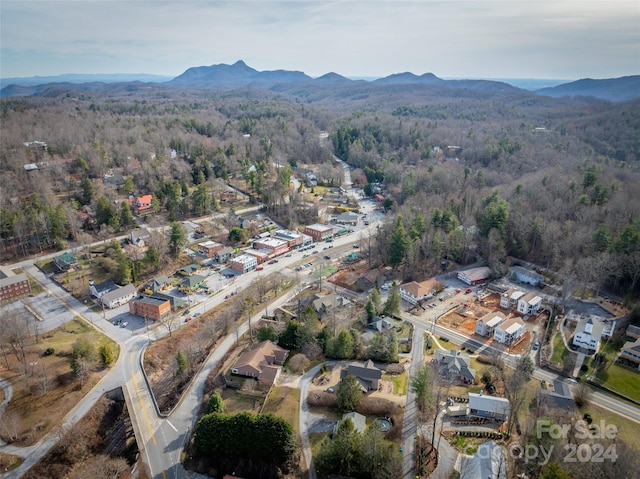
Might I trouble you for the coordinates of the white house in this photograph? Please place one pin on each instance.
(525, 275)
(416, 292)
(508, 331)
(119, 296)
(509, 299)
(588, 333)
(100, 289)
(631, 352)
(486, 324)
(529, 304)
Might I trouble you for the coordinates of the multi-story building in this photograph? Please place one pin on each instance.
(510, 330)
(209, 248)
(415, 293)
(13, 285)
(118, 296)
(150, 308)
(486, 324)
(529, 304)
(243, 263)
(275, 245)
(319, 232)
(509, 299)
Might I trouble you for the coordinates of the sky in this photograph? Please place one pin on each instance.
(560, 39)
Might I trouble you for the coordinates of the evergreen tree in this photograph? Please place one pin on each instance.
(215, 403)
(392, 305)
(398, 245)
(349, 394)
(126, 218)
(177, 239)
(375, 298)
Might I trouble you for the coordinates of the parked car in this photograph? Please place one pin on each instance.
(196, 315)
(187, 319)
(124, 325)
(288, 255)
(536, 345)
(273, 261)
(356, 246)
(468, 290)
(259, 268)
(458, 291)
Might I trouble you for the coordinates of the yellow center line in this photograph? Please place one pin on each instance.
(144, 410)
(131, 358)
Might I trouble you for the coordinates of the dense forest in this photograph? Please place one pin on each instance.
(468, 174)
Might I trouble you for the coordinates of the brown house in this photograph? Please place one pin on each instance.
(262, 361)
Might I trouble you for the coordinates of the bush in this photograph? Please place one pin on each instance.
(48, 352)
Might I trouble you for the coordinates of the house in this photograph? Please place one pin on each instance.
(261, 255)
(209, 248)
(369, 279)
(65, 261)
(194, 230)
(367, 375)
(118, 296)
(327, 303)
(510, 330)
(509, 299)
(262, 361)
(455, 365)
(558, 398)
(381, 324)
(633, 331)
(138, 236)
(149, 307)
(100, 289)
(13, 285)
(243, 263)
(486, 324)
(415, 293)
(158, 283)
(319, 232)
(223, 255)
(524, 275)
(588, 333)
(193, 283)
(358, 420)
(189, 269)
(529, 304)
(488, 406)
(142, 203)
(489, 462)
(311, 180)
(474, 276)
(348, 218)
(630, 353)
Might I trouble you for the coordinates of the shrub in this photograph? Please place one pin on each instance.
(48, 352)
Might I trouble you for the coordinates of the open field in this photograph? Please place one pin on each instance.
(284, 402)
(623, 380)
(50, 390)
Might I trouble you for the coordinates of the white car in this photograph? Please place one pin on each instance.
(124, 325)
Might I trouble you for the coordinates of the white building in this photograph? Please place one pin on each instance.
(526, 276)
(509, 299)
(588, 333)
(474, 276)
(416, 292)
(529, 304)
(119, 296)
(510, 330)
(486, 324)
(243, 263)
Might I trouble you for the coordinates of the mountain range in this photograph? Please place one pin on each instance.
(240, 75)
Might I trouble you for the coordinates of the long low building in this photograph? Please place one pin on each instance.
(118, 296)
(474, 276)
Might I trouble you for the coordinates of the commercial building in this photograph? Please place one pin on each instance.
(243, 263)
(415, 293)
(275, 245)
(150, 308)
(13, 285)
(209, 248)
(319, 232)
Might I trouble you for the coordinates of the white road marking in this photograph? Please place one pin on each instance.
(172, 426)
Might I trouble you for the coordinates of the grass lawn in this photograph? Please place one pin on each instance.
(400, 382)
(622, 380)
(42, 399)
(9, 462)
(627, 430)
(559, 350)
(284, 402)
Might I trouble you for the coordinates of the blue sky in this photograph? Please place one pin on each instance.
(566, 39)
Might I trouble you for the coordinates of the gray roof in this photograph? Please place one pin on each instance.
(118, 293)
(488, 463)
(455, 363)
(108, 285)
(492, 404)
(560, 397)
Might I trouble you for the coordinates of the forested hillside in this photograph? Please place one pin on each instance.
(471, 173)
